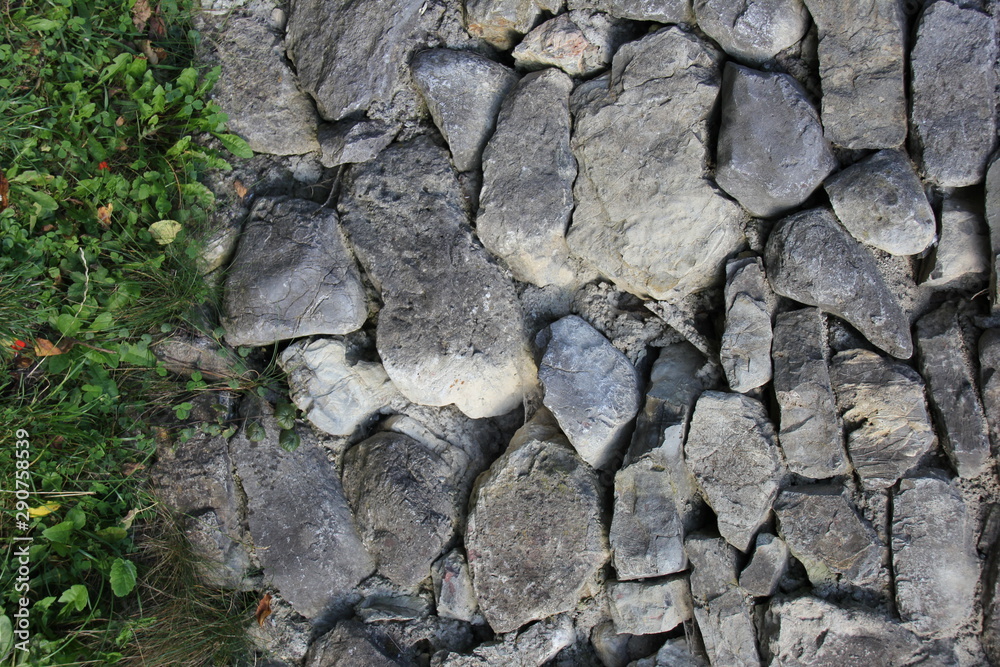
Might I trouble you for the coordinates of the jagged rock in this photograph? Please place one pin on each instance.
(946, 363)
(991, 608)
(453, 591)
(590, 387)
(727, 628)
(824, 532)
(502, 22)
(450, 328)
(954, 115)
(311, 550)
(525, 204)
(532, 647)
(579, 42)
(993, 221)
(647, 608)
(336, 389)
(263, 102)
(611, 648)
(389, 607)
(713, 567)
(463, 91)
(934, 556)
(352, 141)
(884, 409)
(989, 380)
(286, 635)
(745, 352)
(771, 151)
(645, 215)
(674, 653)
(647, 533)
(184, 353)
(962, 255)
(810, 435)
(351, 643)
(850, 637)
(812, 259)
(753, 31)
(861, 65)
(660, 11)
(733, 453)
(880, 201)
(761, 576)
(534, 525)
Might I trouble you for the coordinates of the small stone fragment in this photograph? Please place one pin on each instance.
(880, 201)
(993, 221)
(463, 91)
(660, 11)
(753, 31)
(770, 561)
(810, 436)
(590, 387)
(771, 150)
(962, 255)
(647, 608)
(453, 591)
(745, 352)
(989, 380)
(812, 259)
(532, 647)
(502, 22)
(954, 112)
(579, 43)
(733, 453)
(352, 141)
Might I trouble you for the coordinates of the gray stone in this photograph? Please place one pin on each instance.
(646, 217)
(660, 11)
(810, 436)
(525, 203)
(812, 259)
(535, 538)
(389, 607)
(761, 576)
(989, 380)
(991, 609)
(885, 415)
(351, 644)
(647, 608)
(993, 222)
(850, 636)
(453, 591)
(727, 628)
(934, 556)
(263, 102)
(733, 452)
(824, 532)
(611, 648)
(674, 653)
(590, 387)
(861, 65)
(450, 328)
(579, 42)
(962, 256)
(947, 365)
(336, 389)
(186, 353)
(532, 647)
(956, 131)
(771, 151)
(310, 550)
(753, 31)
(292, 276)
(713, 567)
(880, 201)
(502, 22)
(463, 91)
(352, 141)
(745, 351)
(647, 533)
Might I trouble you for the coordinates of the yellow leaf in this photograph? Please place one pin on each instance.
(45, 348)
(165, 231)
(43, 510)
(104, 214)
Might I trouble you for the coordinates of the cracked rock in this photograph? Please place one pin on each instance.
(762, 575)
(579, 43)
(502, 22)
(745, 352)
(962, 255)
(647, 608)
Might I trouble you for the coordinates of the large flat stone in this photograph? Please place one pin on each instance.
(753, 31)
(989, 380)
(962, 258)
(502, 22)
(993, 222)
(579, 42)
(648, 608)
(727, 629)
(661, 11)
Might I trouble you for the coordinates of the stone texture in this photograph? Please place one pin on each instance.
(645, 216)
(535, 538)
(993, 222)
(880, 201)
(660, 11)
(450, 327)
(861, 66)
(713, 567)
(753, 31)
(989, 380)
(727, 629)
(311, 551)
(962, 256)
(763, 573)
(590, 387)
(745, 352)
(934, 556)
(292, 276)
(810, 436)
(186, 353)
(885, 415)
(525, 203)
(771, 152)
(812, 259)
(532, 647)
(733, 453)
(351, 643)
(453, 591)
(463, 91)
(502, 22)
(946, 363)
(647, 608)
(352, 141)
(953, 110)
(674, 653)
(579, 42)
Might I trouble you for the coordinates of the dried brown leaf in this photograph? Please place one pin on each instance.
(241, 190)
(4, 191)
(104, 214)
(141, 12)
(46, 348)
(263, 609)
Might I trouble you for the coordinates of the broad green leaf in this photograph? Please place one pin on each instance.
(61, 533)
(102, 322)
(188, 79)
(67, 324)
(235, 145)
(6, 637)
(284, 414)
(289, 440)
(122, 577)
(77, 596)
(43, 202)
(112, 533)
(40, 24)
(78, 517)
(165, 231)
(255, 432)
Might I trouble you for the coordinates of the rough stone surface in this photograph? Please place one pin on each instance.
(933, 555)
(753, 31)
(885, 415)
(989, 380)
(532, 647)
(590, 387)
(453, 591)
(953, 111)
(525, 204)
(674, 653)
(993, 222)
(812, 259)
(579, 42)
(727, 628)
(645, 216)
(962, 255)
(771, 150)
(350, 643)
(535, 538)
(660, 11)
(463, 91)
(745, 352)
(502, 22)
(947, 365)
(810, 436)
(763, 573)
(862, 67)
(881, 202)
(185, 353)
(733, 452)
(646, 608)
(713, 567)
(352, 141)
(450, 328)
